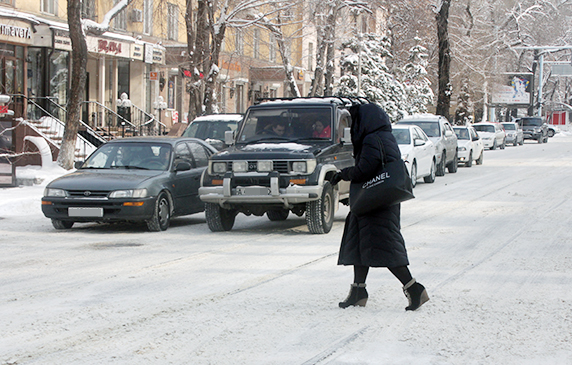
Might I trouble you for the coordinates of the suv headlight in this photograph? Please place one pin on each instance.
(240, 166)
(55, 193)
(132, 193)
(303, 167)
(265, 165)
(218, 167)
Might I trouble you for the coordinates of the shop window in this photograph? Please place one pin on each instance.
(147, 16)
(172, 21)
(50, 6)
(7, 2)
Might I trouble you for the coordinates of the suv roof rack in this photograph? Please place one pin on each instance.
(347, 101)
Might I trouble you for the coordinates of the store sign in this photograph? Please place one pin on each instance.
(16, 32)
(62, 40)
(137, 51)
(158, 56)
(148, 53)
(108, 47)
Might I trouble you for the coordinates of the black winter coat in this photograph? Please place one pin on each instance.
(374, 239)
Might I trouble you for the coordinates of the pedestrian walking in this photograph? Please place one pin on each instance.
(374, 239)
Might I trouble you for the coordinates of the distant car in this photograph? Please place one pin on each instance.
(470, 144)
(493, 134)
(211, 128)
(417, 151)
(552, 130)
(534, 128)
(440, 132)
(514, 133)
(146, 179)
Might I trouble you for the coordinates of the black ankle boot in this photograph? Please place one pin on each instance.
(416, 294)
(357, 296)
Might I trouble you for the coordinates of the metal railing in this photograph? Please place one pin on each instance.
(148, 124)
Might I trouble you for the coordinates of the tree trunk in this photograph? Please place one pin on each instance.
(330, 50)
(194, 99)
(79, 62)
(444, 95)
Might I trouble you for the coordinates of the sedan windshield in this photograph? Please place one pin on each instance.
(509, 127)
(209, 129)
(286, 124)
(431, 129)
(139, 155)
(485, 128)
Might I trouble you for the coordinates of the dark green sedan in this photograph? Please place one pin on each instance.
(140, 179)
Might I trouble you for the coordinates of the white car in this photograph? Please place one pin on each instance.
(417, 151)
(211, 128)
(470, 146)
(493, 134)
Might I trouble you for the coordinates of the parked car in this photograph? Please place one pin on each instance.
(534, 128)
(145, 179)
(211, 128)
(417, 151)
(440, 132)
(493, 134)
(552, 130)
(470, 144)
(514, 133)
(282, 156)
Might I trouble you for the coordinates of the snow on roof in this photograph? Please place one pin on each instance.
(218, 118)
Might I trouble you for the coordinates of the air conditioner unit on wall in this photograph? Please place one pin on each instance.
(136, 15)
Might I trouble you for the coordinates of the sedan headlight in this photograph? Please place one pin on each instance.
(219, 167)
(265, 165)
(240, 166)
(55, 193)
(133, 193)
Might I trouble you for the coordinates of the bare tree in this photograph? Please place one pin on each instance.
(77, 31)
(444, 93)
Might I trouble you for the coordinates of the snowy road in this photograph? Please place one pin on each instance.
(491, 243)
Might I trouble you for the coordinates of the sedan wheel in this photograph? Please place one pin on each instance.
(414, 174)
(431, 178)
(58, 224)
(441, 167)
(469, 162)
(162, 214)
(479, 160)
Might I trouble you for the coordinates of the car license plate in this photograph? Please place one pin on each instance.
(253, 190)
(85, 212)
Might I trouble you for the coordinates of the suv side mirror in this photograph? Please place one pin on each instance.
(229, 138)
(347, 137)
(448, 133)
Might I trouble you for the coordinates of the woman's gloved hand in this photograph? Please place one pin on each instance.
(335, 178)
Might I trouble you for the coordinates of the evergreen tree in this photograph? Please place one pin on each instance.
(418, 93)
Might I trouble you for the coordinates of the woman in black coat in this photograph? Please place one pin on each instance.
(374, 239)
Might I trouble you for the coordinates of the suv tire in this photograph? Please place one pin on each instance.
(479, 161)
(277, 215)
(469, 162)
(441, 167)
(320, 213)
(219, 219)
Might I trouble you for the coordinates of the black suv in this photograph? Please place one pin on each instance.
(282, 156)
(534, 128)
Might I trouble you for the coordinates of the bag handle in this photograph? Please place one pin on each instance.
(383, 162)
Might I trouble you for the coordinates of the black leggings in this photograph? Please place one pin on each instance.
(401, 273)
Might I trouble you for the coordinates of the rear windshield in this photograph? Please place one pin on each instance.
(509, 127)
(462, 133)
(431, 129)
(533, 122)
(401, 136)
(485, 128)
(209, 129)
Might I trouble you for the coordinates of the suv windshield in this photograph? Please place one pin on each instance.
(401, 136)
(462, 133)
(485, 128)
(431, 129)
(286, 124)
(509, 126)
(141, 156)
(531, 122)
